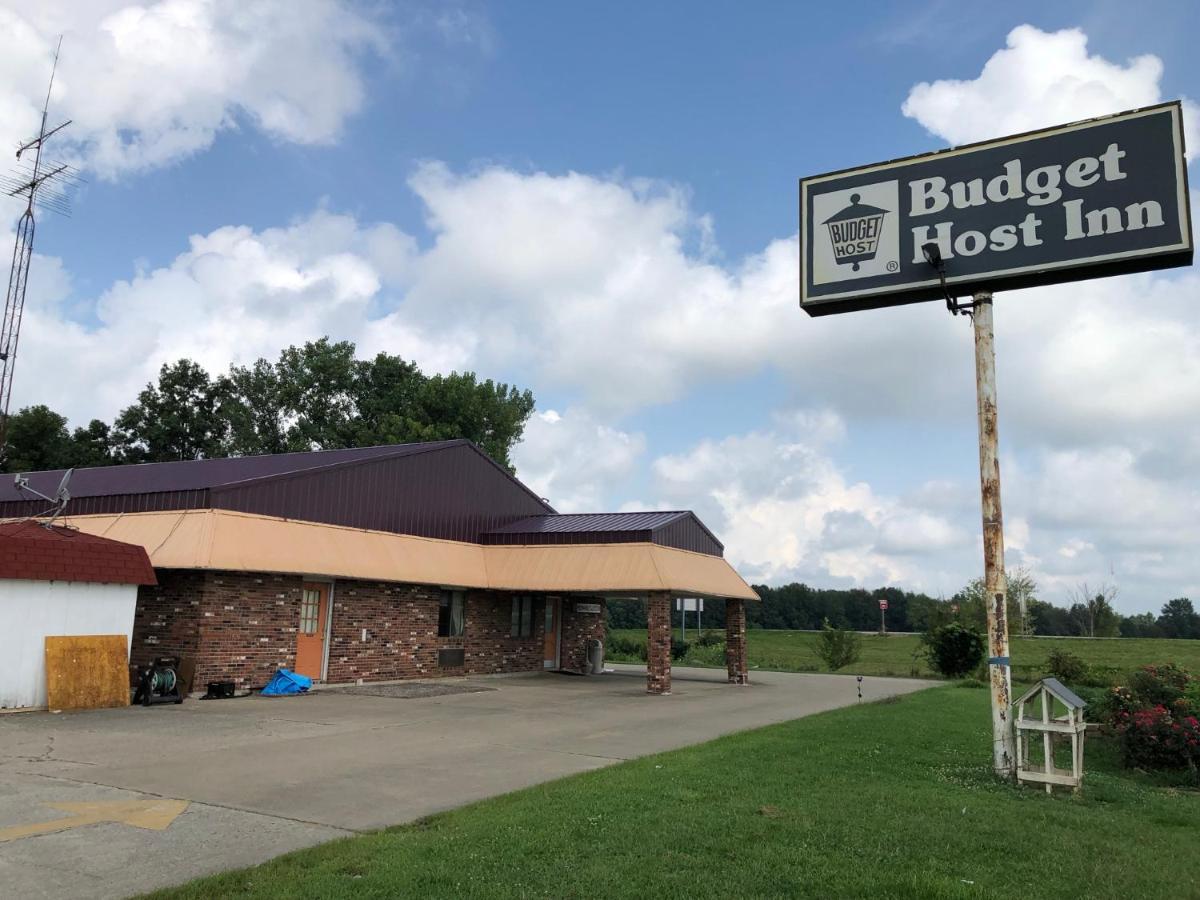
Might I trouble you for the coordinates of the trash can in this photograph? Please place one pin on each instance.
(595, 654)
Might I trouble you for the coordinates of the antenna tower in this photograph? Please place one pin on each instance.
(41, 184)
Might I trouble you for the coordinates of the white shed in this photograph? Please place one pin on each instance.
(57, 581)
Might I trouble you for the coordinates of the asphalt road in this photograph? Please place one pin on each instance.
(265, 776)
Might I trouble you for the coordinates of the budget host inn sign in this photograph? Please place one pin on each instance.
(1094, 198)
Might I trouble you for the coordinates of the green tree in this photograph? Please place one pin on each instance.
(954, 650)
(1022, 594)
(1093, 613)
(1179, 619)
(315, 397)
(973, 602)
(176, 419)
(491, 414)
(386, 397)
(1142, 625)
(37, 439)
(316, 385)
(93, 445)
(925, 612)
(252, 407)
(1048, 619)
(320, 397)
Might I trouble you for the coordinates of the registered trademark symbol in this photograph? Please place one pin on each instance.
(893, 266)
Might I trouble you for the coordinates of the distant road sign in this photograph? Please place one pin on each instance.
(1094, 198)
(883, 604)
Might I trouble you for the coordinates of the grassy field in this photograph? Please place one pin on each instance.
(893, 799)
(897, 654)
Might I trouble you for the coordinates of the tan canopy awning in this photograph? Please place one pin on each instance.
(242, 542)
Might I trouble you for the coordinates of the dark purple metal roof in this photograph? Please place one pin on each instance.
(670, 528)
(574, 522)
(199, 474)
(454, 492)
(443, 489)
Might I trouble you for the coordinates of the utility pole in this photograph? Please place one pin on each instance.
(995, 587)
(855, 254)
(30, 182)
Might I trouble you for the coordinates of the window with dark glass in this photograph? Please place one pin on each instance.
(522, 617)
(451, 614)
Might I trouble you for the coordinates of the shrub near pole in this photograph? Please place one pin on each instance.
(838, 647)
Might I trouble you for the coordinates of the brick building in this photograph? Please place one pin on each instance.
(380, 563)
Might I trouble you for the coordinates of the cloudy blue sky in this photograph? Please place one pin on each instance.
(598, 202)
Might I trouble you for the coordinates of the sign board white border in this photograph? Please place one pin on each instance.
(1027, 276)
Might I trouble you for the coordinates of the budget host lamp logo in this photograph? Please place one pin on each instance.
(856, 232)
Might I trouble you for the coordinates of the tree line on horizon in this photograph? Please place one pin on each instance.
(315, 397)
(800, 607)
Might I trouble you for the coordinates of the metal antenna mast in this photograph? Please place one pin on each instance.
(40, 184)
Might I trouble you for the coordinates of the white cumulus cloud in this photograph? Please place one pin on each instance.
(234, 295)
(575, 461)
(785, 510)
(1038, 80)
(151, 83)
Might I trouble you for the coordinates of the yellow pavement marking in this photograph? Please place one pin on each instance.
(155, 815)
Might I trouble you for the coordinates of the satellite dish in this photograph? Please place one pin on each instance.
(22, 484)
(62, 495)
(60, 499)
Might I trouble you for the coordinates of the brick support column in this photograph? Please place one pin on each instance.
(658, 644)
(735, 641)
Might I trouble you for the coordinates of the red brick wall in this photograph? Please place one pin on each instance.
(401, 622)
(242, 626)
(658, 644)
(577, 629)
(248, 627)
(167, 620)
(488, 640)
(402, 639)
(735, 642)
(236, 626)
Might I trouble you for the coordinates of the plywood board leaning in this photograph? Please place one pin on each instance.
(87, 672)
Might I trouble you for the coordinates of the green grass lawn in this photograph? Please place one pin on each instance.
(793, 651)
(893, 799)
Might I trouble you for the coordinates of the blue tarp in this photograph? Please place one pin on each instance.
(286, 682)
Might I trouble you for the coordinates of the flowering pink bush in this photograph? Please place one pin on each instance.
(1157, 718)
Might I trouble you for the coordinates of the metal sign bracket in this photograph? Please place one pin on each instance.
(933, 256)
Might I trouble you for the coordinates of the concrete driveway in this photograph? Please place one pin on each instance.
(262, 777)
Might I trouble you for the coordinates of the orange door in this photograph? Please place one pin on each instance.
(551, 642)
(310, 636)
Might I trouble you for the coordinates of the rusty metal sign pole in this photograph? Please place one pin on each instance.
(995, 586)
